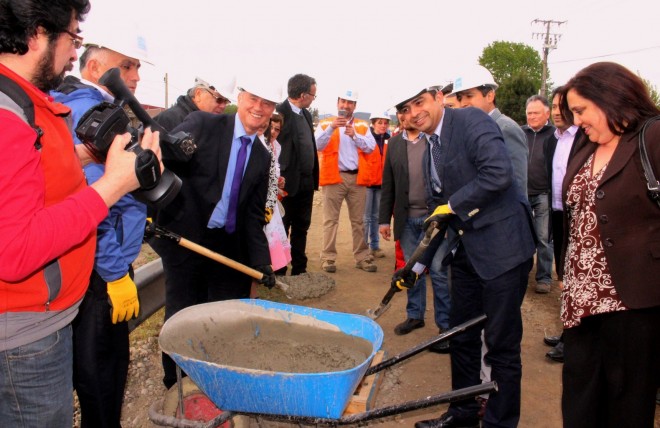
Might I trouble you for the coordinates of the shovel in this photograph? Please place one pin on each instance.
(151, 229)
(432, 230)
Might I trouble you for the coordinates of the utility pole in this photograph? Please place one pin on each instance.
(167, 104)
(549, 42)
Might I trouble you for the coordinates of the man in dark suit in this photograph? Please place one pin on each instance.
(221, 206)
(468, 176)
(299, 165)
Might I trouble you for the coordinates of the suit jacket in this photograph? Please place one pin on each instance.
(516, 145)
(290, 155)
(203, 178)
(394, 194)
(629, 221)
(476, 176)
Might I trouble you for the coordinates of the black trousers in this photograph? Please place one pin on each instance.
(557, 220)
(195, 279)
(611, 370)
(100, 358)
(500, 299)
(297, 219)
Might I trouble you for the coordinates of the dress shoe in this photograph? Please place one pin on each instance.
(557, 353)
(440, 347)
(552, 340)
(449, 421)
(407, 326)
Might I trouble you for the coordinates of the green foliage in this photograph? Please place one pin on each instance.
(512, 94)
(506, 59)
(653, 91)
(231, 109)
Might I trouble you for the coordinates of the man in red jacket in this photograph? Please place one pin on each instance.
(49, 215)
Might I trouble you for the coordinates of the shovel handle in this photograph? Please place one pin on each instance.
(253, 273)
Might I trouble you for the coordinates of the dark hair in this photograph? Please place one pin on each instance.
(540, 98)
(618, 92)
(277, 118)
(20, 19)
(299, 84)
(567, 116)
(446, 90)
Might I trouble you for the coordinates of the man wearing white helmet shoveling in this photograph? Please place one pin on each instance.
(221, 206)
(469, 184)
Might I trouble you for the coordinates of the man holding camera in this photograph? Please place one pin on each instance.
(221, 206)
(201, 97)
(49, 214)
(338, 140)
(100, 333)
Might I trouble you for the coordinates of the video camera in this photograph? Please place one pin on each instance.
(99, 126)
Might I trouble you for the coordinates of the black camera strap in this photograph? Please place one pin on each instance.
(14, 99)
(652, 183)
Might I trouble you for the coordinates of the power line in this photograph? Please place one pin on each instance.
(607, 55)
(550, 41)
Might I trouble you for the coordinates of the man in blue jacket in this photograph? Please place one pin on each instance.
(469, 181)
(100, 331)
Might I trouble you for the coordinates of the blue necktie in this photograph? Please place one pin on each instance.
(230, 223)
(435, 150)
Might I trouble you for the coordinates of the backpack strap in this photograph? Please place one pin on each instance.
(14, 99)
(70, 84)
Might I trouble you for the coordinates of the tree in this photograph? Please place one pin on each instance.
(512, 94)
(507, 59)
(653, 91)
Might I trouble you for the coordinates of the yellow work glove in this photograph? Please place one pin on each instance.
(440, 215)
(269, 215)
(123, 298)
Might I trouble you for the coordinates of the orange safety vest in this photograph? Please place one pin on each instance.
(63, 177)
(329, 156)
(370, 167)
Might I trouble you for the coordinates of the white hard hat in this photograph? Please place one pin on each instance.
(348, 95)
(125, 42)
(261, 86)
(384, 115)
(473, 78)
(406, 91)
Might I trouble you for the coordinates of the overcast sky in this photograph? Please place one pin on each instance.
(373, 47)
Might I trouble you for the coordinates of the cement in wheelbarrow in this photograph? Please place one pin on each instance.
(219, 345)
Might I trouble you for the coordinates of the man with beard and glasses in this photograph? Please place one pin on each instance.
(49, 214)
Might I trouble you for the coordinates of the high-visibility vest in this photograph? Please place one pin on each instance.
(329, 156)
(370, 167)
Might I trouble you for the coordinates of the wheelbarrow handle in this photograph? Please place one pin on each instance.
(419, 348)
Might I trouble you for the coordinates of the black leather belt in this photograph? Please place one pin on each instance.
(352, 171)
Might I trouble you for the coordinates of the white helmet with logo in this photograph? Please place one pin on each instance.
(473, 78)
(126, 41)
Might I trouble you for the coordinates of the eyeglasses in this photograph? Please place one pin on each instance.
(76, 40)
(312, 95)
(219, 100)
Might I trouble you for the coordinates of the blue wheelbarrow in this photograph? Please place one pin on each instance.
(201, 340)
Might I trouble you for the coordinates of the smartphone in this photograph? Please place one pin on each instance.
(341, 113)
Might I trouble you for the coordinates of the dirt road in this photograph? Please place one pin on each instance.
(427, 373)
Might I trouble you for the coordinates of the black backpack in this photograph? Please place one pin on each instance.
(14, 99)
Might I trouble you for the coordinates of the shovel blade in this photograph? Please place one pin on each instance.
(375, 313)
